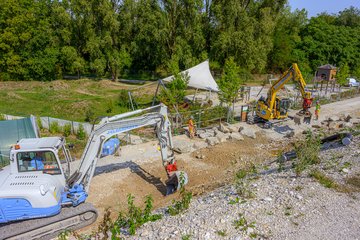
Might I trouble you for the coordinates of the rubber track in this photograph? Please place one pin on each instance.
(43, 227)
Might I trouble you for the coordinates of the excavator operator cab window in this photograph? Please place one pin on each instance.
(44, 161)
(283, 106)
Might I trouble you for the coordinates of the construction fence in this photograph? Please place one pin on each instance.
(50, 122)
(11, 132)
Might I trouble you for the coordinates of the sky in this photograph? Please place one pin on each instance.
(314, 7)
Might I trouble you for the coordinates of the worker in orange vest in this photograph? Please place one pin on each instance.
(191, 126)
(317, 110)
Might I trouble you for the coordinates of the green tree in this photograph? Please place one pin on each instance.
(147, 22)
(323, 41)
(349, 17)
(183, 34)
(176, 89)
(285, 40)
(357, 72)
(230, 81)
(244, 30)
(28, 49)
(342, 75)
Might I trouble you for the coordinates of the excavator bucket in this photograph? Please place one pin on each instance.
(176, 181)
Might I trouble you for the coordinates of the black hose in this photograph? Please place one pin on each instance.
(345, 139)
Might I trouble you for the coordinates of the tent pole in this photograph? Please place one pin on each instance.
(195, 95)
(156, 92)
(167, 92)
(131, 102)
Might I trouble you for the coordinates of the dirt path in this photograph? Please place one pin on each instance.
(348, 106)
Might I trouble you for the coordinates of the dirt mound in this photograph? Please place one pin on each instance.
(59, 85)
(111, 84)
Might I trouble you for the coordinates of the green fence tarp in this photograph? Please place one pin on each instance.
(12, 131)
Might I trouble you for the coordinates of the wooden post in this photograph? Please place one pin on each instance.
(327, 84)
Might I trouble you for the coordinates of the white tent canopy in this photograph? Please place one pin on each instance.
(200, 77)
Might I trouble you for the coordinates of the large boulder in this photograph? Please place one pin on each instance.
(199, 145)
(212, 141)
(240, 128)
(335, 125)
(205, 133)
(223, 128)
(236, 136)
(355, 121)
(182, 146)
(289, 134)
(348, 125)
(251, 133)
(233, 129)
(334, 118)
(222, 137)
(347, 118)
(134, 140)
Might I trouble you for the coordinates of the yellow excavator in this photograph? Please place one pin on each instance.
(274, 109)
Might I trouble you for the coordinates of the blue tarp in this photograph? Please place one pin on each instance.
(12, 131)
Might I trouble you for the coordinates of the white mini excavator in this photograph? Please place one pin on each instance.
(38, 196)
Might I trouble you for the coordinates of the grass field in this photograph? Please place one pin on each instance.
(73, 99)
(66, 99)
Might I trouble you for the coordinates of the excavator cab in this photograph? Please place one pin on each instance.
(282, 107)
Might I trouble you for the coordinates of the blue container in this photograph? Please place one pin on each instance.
(110, 146)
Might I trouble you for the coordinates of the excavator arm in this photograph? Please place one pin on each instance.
(79, 182)
(293, 73)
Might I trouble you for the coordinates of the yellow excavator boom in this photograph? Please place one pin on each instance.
(272, 108)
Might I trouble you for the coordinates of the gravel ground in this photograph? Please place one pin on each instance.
(284, 206)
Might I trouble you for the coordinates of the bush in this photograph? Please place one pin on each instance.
(89, 115)
(182, 204)
(110, 106)
(39, 123)
(123, 99)
(54, 127)
(175, 90)
(132, 221)
(135, 216)
(307, 152)
(67, 129)
(81, 135)
(242, 184)
(2, 117)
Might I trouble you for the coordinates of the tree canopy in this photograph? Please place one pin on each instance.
(49, 39)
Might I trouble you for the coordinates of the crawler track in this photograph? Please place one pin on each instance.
(71, 218)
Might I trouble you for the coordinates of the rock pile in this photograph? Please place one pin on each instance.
(225, 132)
(335, 122)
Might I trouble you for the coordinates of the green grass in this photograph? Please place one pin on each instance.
(63, 99)
(323, 179)
(221, 233)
